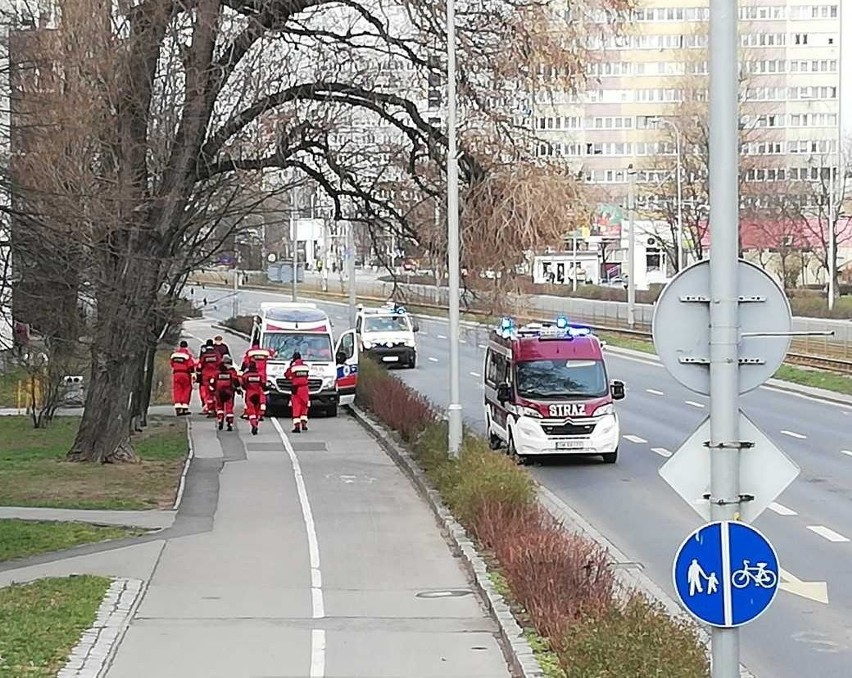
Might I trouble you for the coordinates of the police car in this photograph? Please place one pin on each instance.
(547, 391)
(387, 334)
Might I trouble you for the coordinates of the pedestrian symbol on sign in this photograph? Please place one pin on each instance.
(726, 573)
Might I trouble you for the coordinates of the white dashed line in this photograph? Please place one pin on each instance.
(441, 336)
(462, 341)
(782, 510)
(635, 439)
(654, 391)
(848, 453)
(825, 533)
(693, 403)
(793, 434)
(434, 360)
(475, 374)
(482, 346)
(662, 451)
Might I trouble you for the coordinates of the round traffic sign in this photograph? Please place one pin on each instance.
(681, 326)
(726, 574)
(271, 257)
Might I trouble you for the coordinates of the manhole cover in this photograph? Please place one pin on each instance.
(458, 593)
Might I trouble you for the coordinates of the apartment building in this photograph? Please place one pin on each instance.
(657, 68)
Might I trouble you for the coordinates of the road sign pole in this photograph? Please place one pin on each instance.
(631, 248)
(724, 304)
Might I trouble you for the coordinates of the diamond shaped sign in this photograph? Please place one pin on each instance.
(765, 471)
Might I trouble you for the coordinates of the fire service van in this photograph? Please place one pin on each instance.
(301, 326)
(547, 391)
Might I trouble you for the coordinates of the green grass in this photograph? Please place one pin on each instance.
(828, 381)
(22, 538)
(33, 470)
(825, 380)
(41, 622)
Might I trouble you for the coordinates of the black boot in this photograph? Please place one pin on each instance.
(221, 425)
(230, 426)
(296, 429)
(254, 430)
(304, 426)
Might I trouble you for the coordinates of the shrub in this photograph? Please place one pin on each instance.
(560, 582)
(635, 639)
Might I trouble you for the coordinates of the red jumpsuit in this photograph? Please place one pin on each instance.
(208, 367)
(300, 400)
(183, 366)
(260, 356)
(253, 386)
(225, 385)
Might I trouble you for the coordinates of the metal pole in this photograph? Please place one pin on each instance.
(574, 263)
(350, 265)
(454, 411)
(235, 304)
(679, 151)
(724, 304)
(837, 199)
(631, 248)
(295, 255)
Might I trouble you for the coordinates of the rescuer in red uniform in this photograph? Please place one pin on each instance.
(259, 356)
(183, 366)
(208, 367)
(300, 400)
(225, 385)
(254, 386)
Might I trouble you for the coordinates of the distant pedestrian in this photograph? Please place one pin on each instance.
(300, 398)
(220, 347)
(183, 366)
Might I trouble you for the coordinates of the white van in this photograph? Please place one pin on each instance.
(288, 327)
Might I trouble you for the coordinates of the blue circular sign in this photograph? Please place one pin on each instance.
(726, 574)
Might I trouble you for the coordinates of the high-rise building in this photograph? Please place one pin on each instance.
(652, 76)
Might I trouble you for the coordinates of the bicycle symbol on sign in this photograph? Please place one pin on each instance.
(758, 574)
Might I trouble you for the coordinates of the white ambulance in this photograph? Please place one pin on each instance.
(301, 326)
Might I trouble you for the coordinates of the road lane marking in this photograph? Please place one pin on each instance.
(441, 336)
(693, 403)
(434, 360)
(782, 510)
(475, 374)
(793, 434)
(654, 391)
(482, 346)
(826, 533)
(812, 590)
(848, 453)
(635, 439)
(662, 451)
(462, 341)
(317, 602)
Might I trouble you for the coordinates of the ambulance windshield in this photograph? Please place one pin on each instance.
(561, 379)
(386, 323)
(312, 345)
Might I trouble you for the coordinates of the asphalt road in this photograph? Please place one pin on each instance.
(810, 525)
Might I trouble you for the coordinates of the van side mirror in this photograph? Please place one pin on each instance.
(415, 326)
(617, 390)
(341, 357)
(504, 392)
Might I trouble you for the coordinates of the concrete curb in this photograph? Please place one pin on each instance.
(189, 456)
(516, 649)
(91, 656)
(628, 573)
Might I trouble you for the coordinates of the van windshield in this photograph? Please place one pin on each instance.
(561, 379)
(386, 323)
(312, 345)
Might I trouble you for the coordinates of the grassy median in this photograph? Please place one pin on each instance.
(33, 470)
(561, 585)
(41, 622)
(22, 538)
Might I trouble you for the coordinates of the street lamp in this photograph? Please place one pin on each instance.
(454, 411)
(678, 148)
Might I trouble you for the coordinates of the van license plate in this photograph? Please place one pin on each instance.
(570, 444)
(390, 359)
